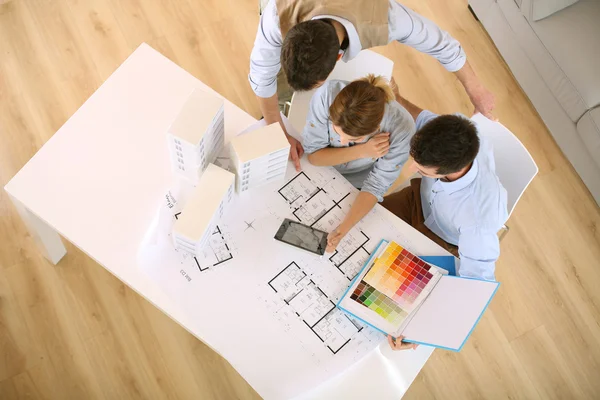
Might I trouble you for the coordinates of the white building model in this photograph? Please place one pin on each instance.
(259, 157)
(197, 135)
(203, 209)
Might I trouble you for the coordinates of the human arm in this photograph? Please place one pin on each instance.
(412, 109)
(375, 147)
(386, 170)
(479, 248)
(383, 173)
(264, 66)
(482, 99)
(364, 203)
(270, 109)
(412, 29)
(330, 156)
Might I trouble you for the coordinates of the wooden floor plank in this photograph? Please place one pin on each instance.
(75, 331)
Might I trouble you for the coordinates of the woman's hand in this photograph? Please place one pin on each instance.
(376, 147)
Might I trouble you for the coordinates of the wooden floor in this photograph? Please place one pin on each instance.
(76, 332)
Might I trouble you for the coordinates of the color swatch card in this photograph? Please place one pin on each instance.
(402, 276)
(398, 293)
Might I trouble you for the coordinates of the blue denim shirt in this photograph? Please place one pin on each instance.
(371, 175)
(469, 211)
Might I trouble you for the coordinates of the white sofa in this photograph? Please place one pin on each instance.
(553, 49)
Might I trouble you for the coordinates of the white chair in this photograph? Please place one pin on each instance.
(514, 165)
(366, 62)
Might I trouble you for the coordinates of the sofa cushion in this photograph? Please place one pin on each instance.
(588, 128)
(541, 9)
(572, 38)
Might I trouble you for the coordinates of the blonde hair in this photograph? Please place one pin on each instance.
(380, 82)
(359, 107)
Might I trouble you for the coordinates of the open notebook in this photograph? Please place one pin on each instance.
(398, 293)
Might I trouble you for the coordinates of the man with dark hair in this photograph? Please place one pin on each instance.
(303, 68)
(459, 202)
(307, 37)
(445, 145)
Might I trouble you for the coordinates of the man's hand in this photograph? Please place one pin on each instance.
(334, 238)
(398, 344)
(296, 151)
(483, 100)
(376, 147)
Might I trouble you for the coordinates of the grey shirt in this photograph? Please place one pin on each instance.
(405, 26)
(370, 175)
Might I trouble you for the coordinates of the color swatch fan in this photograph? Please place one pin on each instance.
(395, 284)
(402, 276)
(397, 293)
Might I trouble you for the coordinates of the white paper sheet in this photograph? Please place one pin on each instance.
(282, 299)
(450, 313)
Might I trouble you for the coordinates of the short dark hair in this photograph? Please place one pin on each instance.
(448, 143)
(309, 53)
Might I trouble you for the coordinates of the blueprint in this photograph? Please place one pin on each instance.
(292, 291)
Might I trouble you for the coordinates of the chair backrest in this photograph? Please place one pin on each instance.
(514, 165)
(366, 62)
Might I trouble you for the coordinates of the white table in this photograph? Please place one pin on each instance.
(97, 180)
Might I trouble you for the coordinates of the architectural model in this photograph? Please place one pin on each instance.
(259, 157)
(197, 221)
(196, 136)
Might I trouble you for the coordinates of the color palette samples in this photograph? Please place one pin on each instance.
(376, 301)
(400, 275)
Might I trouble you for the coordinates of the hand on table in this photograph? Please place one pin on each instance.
(296, 151)
(334, 238)
(377, 146)
(398, 344)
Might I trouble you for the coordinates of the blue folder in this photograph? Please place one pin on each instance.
(445, 262)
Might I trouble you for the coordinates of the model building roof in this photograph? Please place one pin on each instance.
(260, 142)
(196, 116)
(204, 202)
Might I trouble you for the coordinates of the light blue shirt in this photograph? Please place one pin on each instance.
(404, 25)
(469, 211)
(370, 175)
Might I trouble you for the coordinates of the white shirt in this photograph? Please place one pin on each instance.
(405, 26)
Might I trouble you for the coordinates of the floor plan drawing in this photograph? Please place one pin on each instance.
(294, 290)
(311, 293)
(334, 328)
(313, 206)
(215, 253)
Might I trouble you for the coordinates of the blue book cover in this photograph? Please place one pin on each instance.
(445, 262)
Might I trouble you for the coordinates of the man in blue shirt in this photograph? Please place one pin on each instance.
(459, 202)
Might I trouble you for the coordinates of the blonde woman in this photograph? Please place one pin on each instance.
(358, 128)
